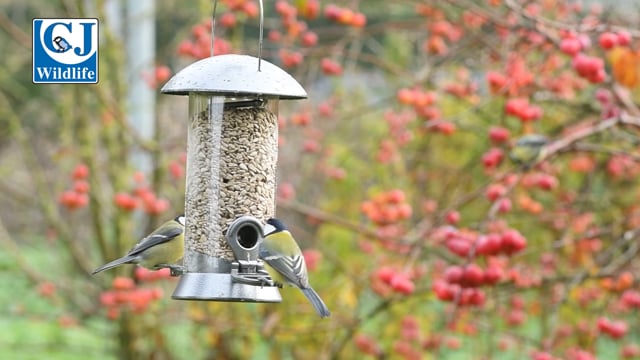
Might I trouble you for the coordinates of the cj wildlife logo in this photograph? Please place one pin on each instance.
(65, 51)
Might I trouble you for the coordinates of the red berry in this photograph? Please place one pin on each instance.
(452, 217)
(122, 283)
(492, 274)
(476, 297)
(516, 317)
(498, 134)
(312, 258)
(274, 35)
(618, 329)
(504, 205)
(359, 20)
(385, 274)
(108, 298)
(459, 247)
(489, 244)
(446, 127)
(453, 274)
(309, 38)
(125, 201)
(311, 146)
(513, 242)
(228, 20)
(185, 48)
(330, 67)
(81, 186)
(406, 96)
(367, 345)
(570, 46)
(516, 106)
(547, 182)
(311, 9)
(46, 289)
(608, 40)
(286, 191)
(495, 191)
(492, 158)
(162, 73)
(80, 172)
(624, 38)
(497, 81)
(443, 290)
(250, 9)
(630, 351)
(472, 275)
(631, 298)
(402, 284)
(332, 12)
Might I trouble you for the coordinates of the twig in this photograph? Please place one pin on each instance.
(14, 31)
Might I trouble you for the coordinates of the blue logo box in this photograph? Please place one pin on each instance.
(65, 51)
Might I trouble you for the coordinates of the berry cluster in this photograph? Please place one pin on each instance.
(296, 31)
(345, 16)
(615, 329)
(78, 196)
(539, 180)
(368, 345)
(387, 208)
(423, 103)
(587, 67)
(124, 295)
(523, 110)
(388, 279)
(609, 40)
(623, 167)
(462, 283)
(199, 46)
(492, 158)
(330, 67)
(462, 243)
(142, 196)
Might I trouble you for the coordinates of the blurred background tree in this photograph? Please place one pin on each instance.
(422, 237)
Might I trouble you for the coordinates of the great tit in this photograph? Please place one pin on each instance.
(528, 150)
(280, 251)
(160, 249)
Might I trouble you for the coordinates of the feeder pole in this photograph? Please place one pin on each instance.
(140, 45)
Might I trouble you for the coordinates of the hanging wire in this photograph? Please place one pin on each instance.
(261, 34)
(213, 24)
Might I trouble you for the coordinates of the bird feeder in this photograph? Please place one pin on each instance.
(232, 150)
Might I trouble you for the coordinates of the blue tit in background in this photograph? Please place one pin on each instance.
(280, 251)
(528, 150)
(162, 248)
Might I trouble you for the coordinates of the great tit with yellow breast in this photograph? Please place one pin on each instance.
(529, 149)
(160, 249)
(280, 251)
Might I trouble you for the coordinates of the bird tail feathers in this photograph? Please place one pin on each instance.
(316, 301)
(123, 260)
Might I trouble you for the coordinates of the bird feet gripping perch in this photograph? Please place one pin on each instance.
(251, 273)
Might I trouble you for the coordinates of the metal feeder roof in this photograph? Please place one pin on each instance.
(235, 75)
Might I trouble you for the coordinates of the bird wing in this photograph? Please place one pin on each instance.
(292, 268)
(155, 239)
(283, 255)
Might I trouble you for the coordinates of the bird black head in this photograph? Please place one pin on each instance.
(180, 219)
(273, 226)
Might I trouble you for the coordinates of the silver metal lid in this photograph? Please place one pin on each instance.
(235, 75)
